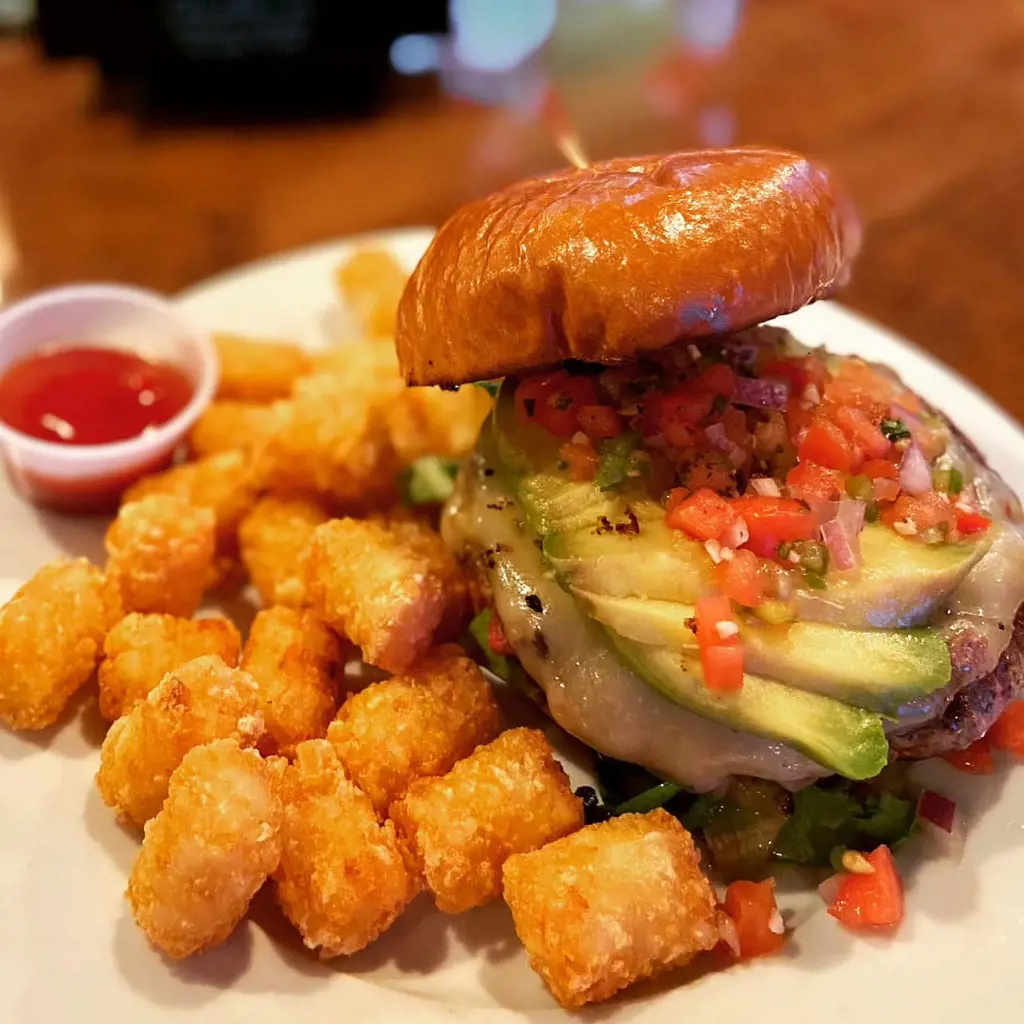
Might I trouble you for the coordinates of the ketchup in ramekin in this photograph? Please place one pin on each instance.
(81, 420)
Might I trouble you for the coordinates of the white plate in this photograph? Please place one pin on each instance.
(69, 951)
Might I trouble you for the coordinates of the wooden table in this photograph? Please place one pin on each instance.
(918, 105)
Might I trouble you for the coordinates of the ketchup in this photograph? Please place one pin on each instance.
(87, 395)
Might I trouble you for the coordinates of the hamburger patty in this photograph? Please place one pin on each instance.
(973, 709)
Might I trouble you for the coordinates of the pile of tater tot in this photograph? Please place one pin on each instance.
(263, 760)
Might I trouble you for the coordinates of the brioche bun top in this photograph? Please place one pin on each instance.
(622, 257)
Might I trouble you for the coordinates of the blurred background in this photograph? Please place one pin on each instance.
(160, 141)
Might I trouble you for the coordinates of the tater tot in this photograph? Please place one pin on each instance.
(343, 876)
(415, 725)
(232, 426)
(368, 582)
(371, 282)
(368, 361)
(422, 538)
(51, 636)
(199, 701)
(272, 539)
(141, 649)
(258, 369)
(160, 554)
(208, 851)
(510, 796)
(296, 662)
(429, 421)
(614, 903)
(223, 483)
(333, 441)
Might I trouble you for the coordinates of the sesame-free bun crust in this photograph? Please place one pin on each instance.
(623, 257)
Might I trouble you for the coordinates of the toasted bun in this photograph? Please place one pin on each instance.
(623, 257)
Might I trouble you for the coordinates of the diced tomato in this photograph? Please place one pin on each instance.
(704, 515)
(861, 431)
(496, 639)
(554, 401)
(871, 901)
(798, 419)
(771, 521)
(1008, 732)
(721, 656)
(680, 410)
(717, 379)
(753, 909)
(798, 373)
(886, 490)
(879, 469)
(814, 483)
(825, 444)
(976, 759)
(582, 461)
(924, 511)
(723, 667)
(971, 522)
(872, 383)
(599, 422)
(742, 578)
(708, 612)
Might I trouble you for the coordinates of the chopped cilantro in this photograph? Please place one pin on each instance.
(719, 404)
(895, 430)
(615, 459)
(826, 818)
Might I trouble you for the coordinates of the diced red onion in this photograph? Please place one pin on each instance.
(915, 474)
(765, 486)
(937, 818)
(736, 535)
(842, 533)
(761, 393)
(829, 889)
(742, 354)
(717, 436)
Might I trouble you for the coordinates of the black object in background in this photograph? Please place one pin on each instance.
(248, 58)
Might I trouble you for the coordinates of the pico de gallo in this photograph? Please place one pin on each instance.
(771, 455)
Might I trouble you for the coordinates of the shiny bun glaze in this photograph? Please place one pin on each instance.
(623, 257)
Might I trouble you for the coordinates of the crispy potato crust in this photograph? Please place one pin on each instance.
(343, 876)
(377, 586)
(614, 903)
(371, 283)
(141, 649)
(429, 421)
(296, 662)
(160, 553)
(257, 369)
(273, 538)
(510, 796)
(333, 441)
(415, 725)
(223, 483)
(51, 636)
(205, 855)
(198, 702)
(232, 426)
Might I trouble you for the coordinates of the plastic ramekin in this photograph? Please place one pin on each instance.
(88, 478)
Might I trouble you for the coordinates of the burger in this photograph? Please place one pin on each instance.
(719, 553)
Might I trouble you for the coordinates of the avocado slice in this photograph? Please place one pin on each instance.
(850, 741)
(874, 669)
(901, 582)
(553, 503)
(653, 561)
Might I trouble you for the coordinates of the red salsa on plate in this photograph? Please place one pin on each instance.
(85, 395)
